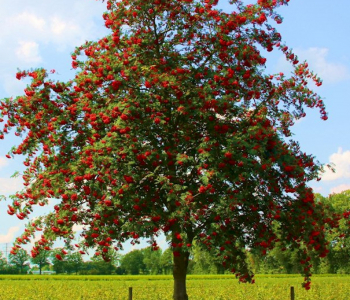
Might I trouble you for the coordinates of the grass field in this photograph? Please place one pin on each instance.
(206, 287)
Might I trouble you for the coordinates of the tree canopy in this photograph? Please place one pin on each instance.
(41, 259)
(171, 125)
(20, 259)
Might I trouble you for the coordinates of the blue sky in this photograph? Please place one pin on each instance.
(38, 33)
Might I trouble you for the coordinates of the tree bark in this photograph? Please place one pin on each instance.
(179, 274)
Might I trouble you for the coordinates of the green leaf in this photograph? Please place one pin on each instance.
(15, 175)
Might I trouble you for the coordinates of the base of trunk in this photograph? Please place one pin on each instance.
(179, 274)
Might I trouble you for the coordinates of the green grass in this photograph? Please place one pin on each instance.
(206, 287)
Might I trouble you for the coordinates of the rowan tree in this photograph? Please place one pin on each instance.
(171, 125)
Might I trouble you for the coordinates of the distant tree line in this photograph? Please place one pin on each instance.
(146, 261)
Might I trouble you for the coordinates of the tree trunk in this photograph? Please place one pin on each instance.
(179, 274)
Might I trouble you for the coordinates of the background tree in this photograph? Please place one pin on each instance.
(171, 125)
(5, 268)
(59, 264)
(74, 262)
(20, 259)
(166, 261)
(3, 261)
(205, 262)
(40, 259)
(285, 260)
(132, 262)
(339, 237)
(103, 267)
(151, 259)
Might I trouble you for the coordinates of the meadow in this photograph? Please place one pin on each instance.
(200, 287)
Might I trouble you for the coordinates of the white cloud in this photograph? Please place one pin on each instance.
(65, 32)
(13, 86)
(31, 20)
(318, 189)
(61, 24)
(341, 160)
(3, 162)
(77, 228)
(329, 72)
(57, 26)
(32, 32)
(10, 235)
(340, 188)
(162, 243)
(10, 185)
(28, 52)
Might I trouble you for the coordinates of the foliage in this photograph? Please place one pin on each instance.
(133, 262)
(3, 261)
(171, 125)
(204, 262)
(98, 265)
(285, 260)
(40, 259)
(339, 237)
(151, 259)
(20, 260)
(97, 268)
(166, 261)
(59, 265)
(147, 261)
(114, 257)
(5, 267)
(72, 263)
